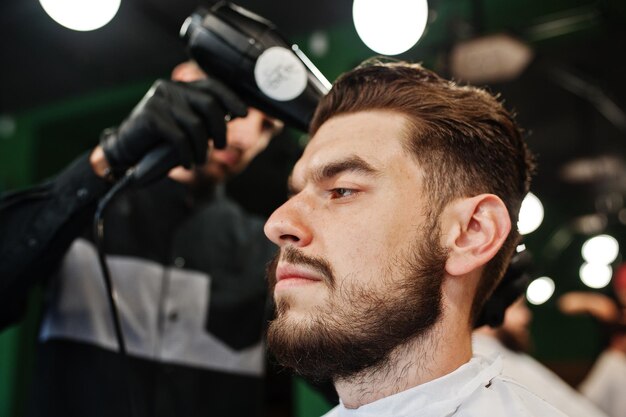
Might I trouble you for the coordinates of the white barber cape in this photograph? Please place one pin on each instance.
(537, 378)
(476, 389)
(606, 383)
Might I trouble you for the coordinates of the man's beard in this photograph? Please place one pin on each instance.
(358, 327)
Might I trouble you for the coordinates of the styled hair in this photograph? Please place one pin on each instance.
(466, 142)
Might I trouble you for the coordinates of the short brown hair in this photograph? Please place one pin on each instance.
(462, 136)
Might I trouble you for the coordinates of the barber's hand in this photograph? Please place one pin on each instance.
(185, 115)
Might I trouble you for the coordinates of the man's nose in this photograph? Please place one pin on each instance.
(289, 224)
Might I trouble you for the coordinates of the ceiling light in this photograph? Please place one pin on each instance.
(530, 214)
(81, 15)
(601, 249)
(493, 58)
(390, 27)
(595, 275)
(593, 169)
(540, 290)
(319, 43)
(590, 224)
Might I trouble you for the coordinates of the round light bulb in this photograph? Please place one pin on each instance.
(530, 214)
(595, 275)
(601, 249)
(390, 27)
(540, 290)
(81, 15)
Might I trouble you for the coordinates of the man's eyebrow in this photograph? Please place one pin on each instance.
(327, 171)
(352, 163)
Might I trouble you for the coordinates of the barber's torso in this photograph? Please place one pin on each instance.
(188, 273)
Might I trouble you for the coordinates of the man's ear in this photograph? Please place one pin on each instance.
(475, 229)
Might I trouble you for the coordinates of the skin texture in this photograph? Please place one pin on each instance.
(357, 205)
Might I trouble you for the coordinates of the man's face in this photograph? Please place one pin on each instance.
(360, 265)
(246, 137)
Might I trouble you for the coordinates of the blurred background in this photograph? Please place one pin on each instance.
(559, 65)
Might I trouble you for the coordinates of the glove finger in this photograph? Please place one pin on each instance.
(216, 125)
(192, 118)
(212, 113)
(165, 126)
(196, 131)
(227, 98)
(208, 98)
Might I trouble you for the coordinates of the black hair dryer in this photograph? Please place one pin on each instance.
(246, 52)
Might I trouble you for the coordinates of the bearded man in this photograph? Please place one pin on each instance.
(397, 231)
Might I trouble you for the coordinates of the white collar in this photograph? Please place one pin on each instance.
(441, 396)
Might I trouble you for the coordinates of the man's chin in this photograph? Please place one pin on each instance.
(294, 345)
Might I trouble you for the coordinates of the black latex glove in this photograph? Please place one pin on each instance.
(184, 115)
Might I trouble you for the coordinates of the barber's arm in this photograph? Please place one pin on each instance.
(598, 305)
(36, 228)
(38, 225)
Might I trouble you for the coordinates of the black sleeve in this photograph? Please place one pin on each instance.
(37, 226)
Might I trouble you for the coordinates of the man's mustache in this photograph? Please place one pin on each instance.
(295, 257)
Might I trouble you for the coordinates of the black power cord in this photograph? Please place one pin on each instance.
(98, 232)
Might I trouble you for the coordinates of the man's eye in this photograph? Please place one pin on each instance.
(341, 192)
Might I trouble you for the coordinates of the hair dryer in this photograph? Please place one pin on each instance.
(247, 53)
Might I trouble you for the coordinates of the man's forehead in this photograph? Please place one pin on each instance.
(367, 140)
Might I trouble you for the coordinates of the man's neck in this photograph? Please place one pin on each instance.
(423, 359)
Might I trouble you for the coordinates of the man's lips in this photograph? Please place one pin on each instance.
(229, 157)
(286, 272)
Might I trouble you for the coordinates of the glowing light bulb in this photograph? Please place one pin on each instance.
(595, 275)
(601, 249)
(81, 15)
(540, 290)
(530, 214)
(390, 27)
